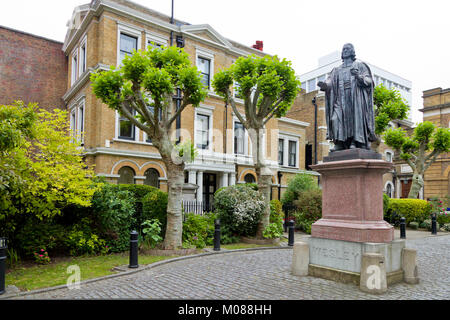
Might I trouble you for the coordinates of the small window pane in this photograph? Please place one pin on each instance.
(280, 151)
(152, 178)
(239, 138)
(204, 67)
(202, 133)
(292, 153)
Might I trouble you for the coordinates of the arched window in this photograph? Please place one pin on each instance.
(126, 176)
(389, 190)
(152, 178)
(249, 178)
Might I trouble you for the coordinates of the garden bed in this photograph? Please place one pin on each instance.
(260, 241)
(161, 252)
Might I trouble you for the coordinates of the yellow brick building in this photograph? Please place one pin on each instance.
(100, 34)
(436, 109)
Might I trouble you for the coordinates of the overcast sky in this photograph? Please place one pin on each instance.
(406, 37)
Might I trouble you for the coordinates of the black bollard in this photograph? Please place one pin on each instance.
(217, 235)
(433, 224)
(134, 249)
(291, 233)
(3, 247)
(402, 228)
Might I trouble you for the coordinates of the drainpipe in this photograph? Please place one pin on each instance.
(315, 129)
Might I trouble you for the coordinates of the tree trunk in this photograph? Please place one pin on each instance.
(416, 186)
(263, 175)
(174, 229)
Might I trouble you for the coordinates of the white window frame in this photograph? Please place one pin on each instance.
(117, 131)
(73, 121)
(74, 71)
(206, 111)
(156, 38)
(386, 155)
(246, 142)
(206, 54)
(81, 120)
(392, 188)
(132, 32)
(83, 66)
(287, 137)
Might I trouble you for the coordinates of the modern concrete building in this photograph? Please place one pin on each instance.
(327, 63)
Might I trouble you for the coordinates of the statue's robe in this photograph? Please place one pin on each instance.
(349, 105)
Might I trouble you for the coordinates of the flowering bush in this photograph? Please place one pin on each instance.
(42, 257)
(239, 208)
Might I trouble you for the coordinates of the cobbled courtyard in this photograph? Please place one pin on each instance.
(259, 274)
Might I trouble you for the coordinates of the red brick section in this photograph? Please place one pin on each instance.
(32, 69)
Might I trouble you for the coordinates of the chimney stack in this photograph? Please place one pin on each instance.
(258, 45)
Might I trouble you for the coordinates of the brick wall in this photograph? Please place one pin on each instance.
(32, 69)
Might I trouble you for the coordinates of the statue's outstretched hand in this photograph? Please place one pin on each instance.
(322, 85)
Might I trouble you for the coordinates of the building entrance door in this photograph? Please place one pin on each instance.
(209, 188)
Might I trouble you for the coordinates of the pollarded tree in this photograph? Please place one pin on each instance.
(388, 106)
(268, 87)
(420, 150)
(142, 90)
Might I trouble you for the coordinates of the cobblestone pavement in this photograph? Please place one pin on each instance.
(260, 274)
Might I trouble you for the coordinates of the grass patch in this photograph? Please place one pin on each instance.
(55, 274)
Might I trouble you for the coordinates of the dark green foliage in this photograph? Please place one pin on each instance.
(114, 209)
(154, 206)
(298, 184)
(37, 234)
(309, 209)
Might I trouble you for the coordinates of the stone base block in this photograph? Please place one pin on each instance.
(346, 255)
(347, 276)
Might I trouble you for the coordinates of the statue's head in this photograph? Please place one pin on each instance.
(348, 51)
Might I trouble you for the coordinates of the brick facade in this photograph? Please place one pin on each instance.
(436, 109)
(32, 69)
(99, 35)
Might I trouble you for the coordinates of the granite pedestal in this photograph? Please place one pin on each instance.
(352, 221)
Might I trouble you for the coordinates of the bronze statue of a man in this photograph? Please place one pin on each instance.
(349, 103)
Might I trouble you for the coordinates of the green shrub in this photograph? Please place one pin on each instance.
(154, 206)
(446, 227)
(79, 243)
(239, 208)
(310, 204)
(151, 232)
(414, 225)
(302, 222)
(273, 231)
(37, 234)
(412, 209)
(113, 212)
(426, 224)
(443, 218)
(198, 230)
(297, 185)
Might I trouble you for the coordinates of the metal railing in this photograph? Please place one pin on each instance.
(197, 207)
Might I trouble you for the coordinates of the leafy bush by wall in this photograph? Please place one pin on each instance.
(154, 206)
(412, 209)
(298, 184)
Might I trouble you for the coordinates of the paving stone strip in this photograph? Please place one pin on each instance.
(257, 273)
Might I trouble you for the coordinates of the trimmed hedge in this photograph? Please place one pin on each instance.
(412, 209)
(154, 206)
